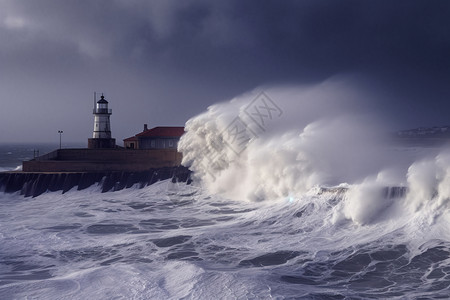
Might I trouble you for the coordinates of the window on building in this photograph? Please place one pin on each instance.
(152, 144)
(170, 144)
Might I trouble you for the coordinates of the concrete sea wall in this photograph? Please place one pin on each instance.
(103, 160)
(32, 184)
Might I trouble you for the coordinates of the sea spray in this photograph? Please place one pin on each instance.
(313, 138)
(428, 182)
(366, 202)
(318, 135)
(425, 193)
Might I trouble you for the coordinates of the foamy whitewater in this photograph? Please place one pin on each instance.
(290, 200)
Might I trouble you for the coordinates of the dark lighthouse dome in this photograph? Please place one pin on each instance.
(102, 100)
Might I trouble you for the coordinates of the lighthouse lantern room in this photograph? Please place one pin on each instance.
(101, 137)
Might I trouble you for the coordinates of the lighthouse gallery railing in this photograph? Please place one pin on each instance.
(102, 111)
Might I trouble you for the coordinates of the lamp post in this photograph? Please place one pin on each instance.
(60, 133)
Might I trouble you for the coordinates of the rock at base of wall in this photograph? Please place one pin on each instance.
(34, 184)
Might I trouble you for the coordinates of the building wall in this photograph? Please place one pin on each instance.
(131, 144)
(158, 143)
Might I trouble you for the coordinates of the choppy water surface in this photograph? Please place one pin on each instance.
(175, 241)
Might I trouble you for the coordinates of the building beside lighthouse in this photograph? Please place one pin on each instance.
(150, 149)
(101, 136)
(161, 137)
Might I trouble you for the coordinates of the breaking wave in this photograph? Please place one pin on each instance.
(281, 142)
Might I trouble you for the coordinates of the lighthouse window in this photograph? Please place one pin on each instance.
(96, 125)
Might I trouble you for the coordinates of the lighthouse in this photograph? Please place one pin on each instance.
(101, 137)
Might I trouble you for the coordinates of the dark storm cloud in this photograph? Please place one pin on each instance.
(199, 51)
(300, 37)
(294, 37)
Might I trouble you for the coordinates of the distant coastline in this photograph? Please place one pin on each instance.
(425, 132)
(435, 136)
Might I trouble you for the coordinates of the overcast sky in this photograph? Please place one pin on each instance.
(161, 62)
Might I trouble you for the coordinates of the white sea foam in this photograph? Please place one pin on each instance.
(8, 169)
(171, 241)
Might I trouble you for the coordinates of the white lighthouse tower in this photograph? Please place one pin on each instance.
(101, 137)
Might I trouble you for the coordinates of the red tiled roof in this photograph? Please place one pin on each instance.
(133, 138)
(162, 132)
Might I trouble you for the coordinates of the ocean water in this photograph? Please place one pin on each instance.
(300, 206)
(177, 241)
